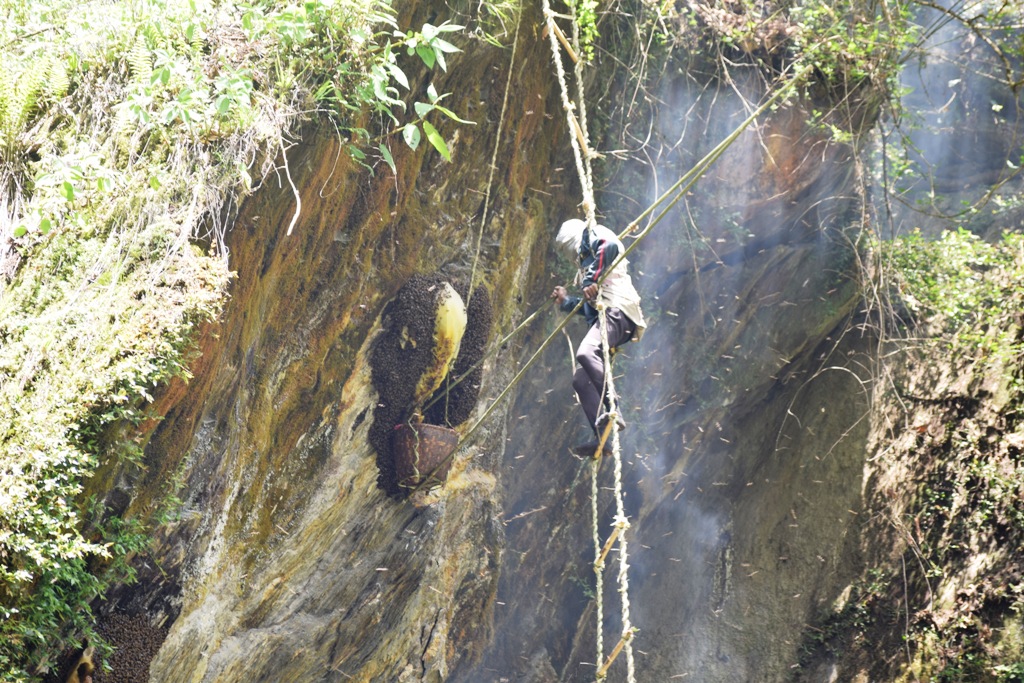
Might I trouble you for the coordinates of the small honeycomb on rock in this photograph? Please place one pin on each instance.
(135, 643)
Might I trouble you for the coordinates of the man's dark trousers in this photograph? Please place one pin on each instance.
(588, 381)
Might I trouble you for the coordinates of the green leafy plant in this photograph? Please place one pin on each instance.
(961, 283)
(585, 12)
(1009, 673)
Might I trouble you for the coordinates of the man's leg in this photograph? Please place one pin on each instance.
(587, 393)
(591, 361)
(620, 328)
(588, 355)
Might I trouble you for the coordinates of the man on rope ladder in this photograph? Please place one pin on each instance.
(595, 250)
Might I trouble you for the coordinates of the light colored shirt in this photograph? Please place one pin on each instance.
(617, 290)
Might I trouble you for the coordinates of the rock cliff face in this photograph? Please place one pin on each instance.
(289, 561)
(743, 455)
(743, 452)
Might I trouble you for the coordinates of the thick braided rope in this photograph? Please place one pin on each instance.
(587, 185)
(583, 168)
(567, 105)
(587, 177)
(620, 509)
(598, 564)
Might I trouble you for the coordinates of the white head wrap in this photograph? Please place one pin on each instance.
(570, 237)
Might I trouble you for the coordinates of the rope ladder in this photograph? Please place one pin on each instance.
(583, 155)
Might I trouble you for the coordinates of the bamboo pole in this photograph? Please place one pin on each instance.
(615, 653)
(604, 436)
(584, 149)
(565, 43)
(698, 169)
(608, 545)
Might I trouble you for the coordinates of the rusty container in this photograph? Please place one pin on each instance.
(419, 449)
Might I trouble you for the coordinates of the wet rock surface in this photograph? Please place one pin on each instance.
(292, 562)
(740, 469)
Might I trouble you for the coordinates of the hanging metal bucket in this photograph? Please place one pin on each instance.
(419, 449)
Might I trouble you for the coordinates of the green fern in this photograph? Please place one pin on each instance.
(195, 39)
(140, 61)
(58, 81)
(22, 97)
(153, 35)
(6, 98)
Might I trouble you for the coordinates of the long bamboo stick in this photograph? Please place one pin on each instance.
(608, 545)
(565, 43)
(615, 653)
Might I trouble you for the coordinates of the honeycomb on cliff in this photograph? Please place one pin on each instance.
(135, 642)
(403, 352)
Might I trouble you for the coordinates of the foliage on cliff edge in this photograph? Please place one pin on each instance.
(941, 594)
(128, 134)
